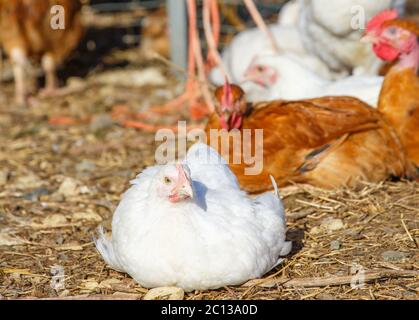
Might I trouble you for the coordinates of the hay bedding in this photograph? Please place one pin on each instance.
(58, 183)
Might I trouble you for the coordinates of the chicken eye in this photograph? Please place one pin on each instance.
(260, 68)
(167, 180)
(392, 31)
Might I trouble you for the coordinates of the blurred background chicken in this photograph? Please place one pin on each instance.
(239, 54)
(155, 34)
(28, 34)
(334, 38)
(284, 76)
(305, 28)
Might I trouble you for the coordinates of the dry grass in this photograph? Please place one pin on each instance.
(53, 228)
(58, 183)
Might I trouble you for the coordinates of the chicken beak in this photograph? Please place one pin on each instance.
(183, 189)
(226, 114)
(251, 76)
(181, 192)
(369, 38)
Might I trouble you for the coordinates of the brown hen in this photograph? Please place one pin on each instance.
(328, 142)
(27, 31)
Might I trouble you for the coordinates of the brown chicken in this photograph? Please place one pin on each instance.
(155, 34)
(29, 30)
(328, 142)
(396, 41)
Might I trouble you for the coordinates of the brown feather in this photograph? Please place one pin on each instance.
(399, 102)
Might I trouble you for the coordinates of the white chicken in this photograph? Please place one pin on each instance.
(189, 225)
(290, 13)
(325, 41)
(283, 77)
(249, 43)
(333, 34)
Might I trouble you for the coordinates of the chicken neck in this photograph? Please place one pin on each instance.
(409, 60)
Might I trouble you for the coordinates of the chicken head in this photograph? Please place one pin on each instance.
(175, 183)
(390, 37)
(230, 105)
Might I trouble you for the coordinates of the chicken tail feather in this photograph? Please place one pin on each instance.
(276, 191)
(106, 250)
(287, 246)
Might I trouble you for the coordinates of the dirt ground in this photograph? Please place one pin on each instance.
(58, 183)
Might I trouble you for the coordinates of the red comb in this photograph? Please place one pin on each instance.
(228, 94)
(377, 21)
(181, 172)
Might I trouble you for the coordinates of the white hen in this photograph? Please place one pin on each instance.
(250, 43)
(189, 225)
(333, 34)
(283, 77)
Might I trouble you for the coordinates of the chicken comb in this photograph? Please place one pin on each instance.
(227, 97)
(228, 93)
(377, 21)
(181, 172)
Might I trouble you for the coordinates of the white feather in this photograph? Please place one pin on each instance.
(105, 248)
(290, 14)
(251, 43)
(325, 41)
(295, 82)
(209, 168)
(333, 34)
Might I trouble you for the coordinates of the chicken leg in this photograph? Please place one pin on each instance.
(49, 67)
(19, 61)
(214, 14)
